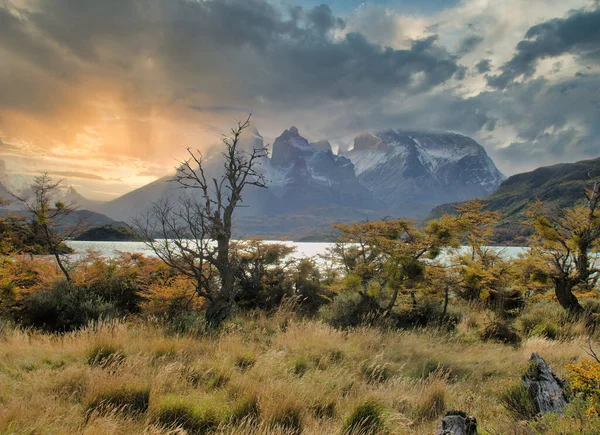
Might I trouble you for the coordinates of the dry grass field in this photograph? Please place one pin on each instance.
(276, 374)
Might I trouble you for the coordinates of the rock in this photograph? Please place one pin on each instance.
(545, 387)
(457, 423)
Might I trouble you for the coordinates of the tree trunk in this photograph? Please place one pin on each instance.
(445, 309)
(565, 296)
(217, 311)
(62, 267)
(220, 308)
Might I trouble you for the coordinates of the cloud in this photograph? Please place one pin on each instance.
(468, 44)
(119, 88)
(577, 34)
(483, 66)
(77, 174)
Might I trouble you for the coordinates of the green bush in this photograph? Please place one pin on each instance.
(245, 361)
(501, 332)
(365, 419)
(301, 365)
(518, 401)
(63, 307)
(129, 400)
(426, 313)
(350, 309)
(117, 285)
(194, 414)
(288, 418)
(187, 323)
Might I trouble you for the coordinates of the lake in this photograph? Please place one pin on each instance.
(111, 249)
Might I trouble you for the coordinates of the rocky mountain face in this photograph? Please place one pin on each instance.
(413, 171)
(303, 175)
(299, 176)
(309, 187)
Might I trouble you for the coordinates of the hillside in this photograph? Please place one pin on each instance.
(559, 185)
(109, 233)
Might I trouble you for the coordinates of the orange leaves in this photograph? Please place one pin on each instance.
(585, 382)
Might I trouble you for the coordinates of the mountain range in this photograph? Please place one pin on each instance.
(309, 186)
(389, 173)
(392, 173)
(412, 172)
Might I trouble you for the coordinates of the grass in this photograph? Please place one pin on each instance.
(266, 375)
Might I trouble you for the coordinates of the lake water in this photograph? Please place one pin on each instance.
(112, 249)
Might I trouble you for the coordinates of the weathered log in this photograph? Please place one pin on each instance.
(546, 389)
(457, 423)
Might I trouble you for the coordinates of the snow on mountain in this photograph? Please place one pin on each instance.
(409, 171)
(309, 175)
(322, 145)
(391, 173)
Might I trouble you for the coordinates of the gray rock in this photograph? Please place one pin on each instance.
(457, 423)
(546, 389)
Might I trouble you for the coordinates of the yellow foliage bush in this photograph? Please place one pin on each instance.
(585, 382)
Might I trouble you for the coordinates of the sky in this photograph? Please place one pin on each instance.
(107, 95)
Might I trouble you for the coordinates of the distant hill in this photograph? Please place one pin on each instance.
(559, 185)
(109, 233)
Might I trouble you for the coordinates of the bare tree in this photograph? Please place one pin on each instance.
(192, 233)
(51, 223)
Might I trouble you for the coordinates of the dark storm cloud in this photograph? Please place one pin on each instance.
(469, 44)
(249, 49)
(483, 66)
(578, 34)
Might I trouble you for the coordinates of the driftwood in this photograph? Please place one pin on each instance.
(546, 389)
(457, 423)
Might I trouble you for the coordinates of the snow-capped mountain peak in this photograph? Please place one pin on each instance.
(411, 167)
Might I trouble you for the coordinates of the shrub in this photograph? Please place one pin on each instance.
(188, 322)
(427, 312)
(431, 402)
(127, 399)
(501, 332)
(243, 407)
(194, 414)
(245, 361)
(8, 297)
(287, 417)
(518, 401)
(585, 383)
(365, 419)
(63, 307)
(301, 365)
(114, 282)
(349, 309)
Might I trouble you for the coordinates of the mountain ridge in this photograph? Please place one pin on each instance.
(561, 185)
(309, 184)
